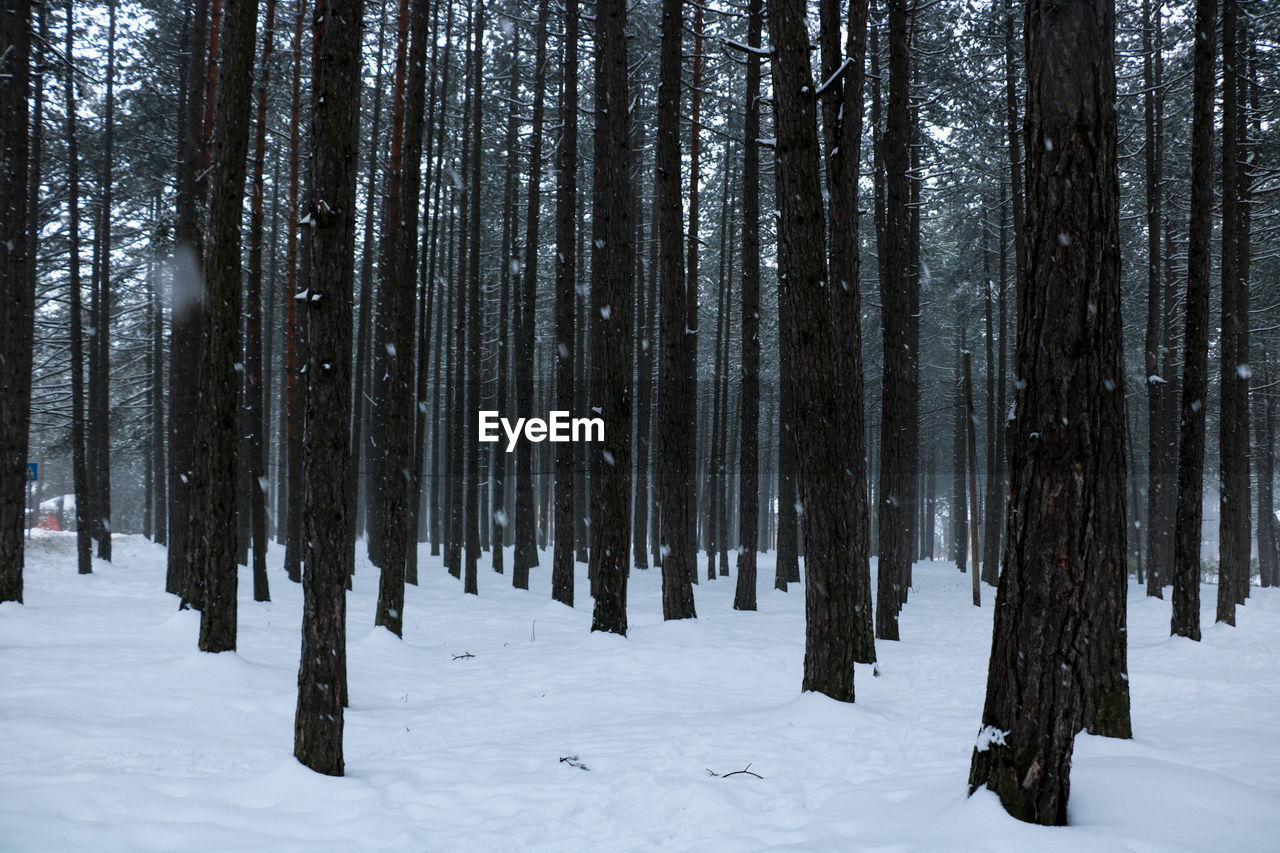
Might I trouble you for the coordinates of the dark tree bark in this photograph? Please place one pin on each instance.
(1268, 547)
(897, 286)
(749, 408)
(214, 499)
(1233, 423)
(253, 389)
(994, 504)
(317, 730)
(526, 553)
(396, 312)
(960, 458)
(612, 300)
(566, 279)
(1066, 523)
(79, 466)
(1159, 557)
(830, 598)
(185, 312)
(1185, 621)
(842, 124)
(675, 437)
(501, 520)
(17, 301)
(99, 423)
(474, 308)
(292, 413)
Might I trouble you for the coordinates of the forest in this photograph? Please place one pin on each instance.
(594, 390)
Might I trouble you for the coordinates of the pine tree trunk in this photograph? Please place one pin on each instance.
(675, 441)
(292, 413)
(331, 209)
(612, 301)
(749, 408)
(474, 309)
(80, 473)
(1052, 667)
(1186, 570)
(17, 300)
(566, 278)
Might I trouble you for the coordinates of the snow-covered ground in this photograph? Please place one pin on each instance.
(116, 734)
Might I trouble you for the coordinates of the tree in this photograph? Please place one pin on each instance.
(675, 437)
(1185, 621)
(17, 303)
(566, 279)
(749, 482)
(79, 464)
(213, 508)
(612, 268)
(331, 207)
(829, 592)
(1065, 545)
(474, 308)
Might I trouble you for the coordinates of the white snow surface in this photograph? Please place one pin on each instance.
(117, 734)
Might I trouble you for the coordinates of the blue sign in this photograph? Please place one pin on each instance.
(33, 471)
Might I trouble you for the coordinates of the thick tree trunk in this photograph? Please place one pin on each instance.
(830, 596)
(897, 450)
(17, 299)
(675, 438)
(292, 414)
(1052, 667)
(612, 268)
(214, 498)
(1186, 570)
(1159, 558)
(331, 209)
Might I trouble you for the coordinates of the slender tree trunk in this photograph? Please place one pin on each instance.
(293, 536)
(526, 554)
(612, 298)
(1052, 667)
(566, 277)
(1156, 384)
(960, 459)
(257, 468)
(505, 285)
(17, 299)
(331, 206)
(474, 309)
(80, 473)
(749, 408)
(1186, 571)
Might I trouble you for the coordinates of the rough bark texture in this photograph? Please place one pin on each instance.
(676, 467)
(214, 500)
(612, 300)
(749, 407)
(566, 277)
(17, 298)
(842, 126)
(327, 430)
(1195, 341)
(897, 450)
(1062, 592)
(470, 581)
(830, 598)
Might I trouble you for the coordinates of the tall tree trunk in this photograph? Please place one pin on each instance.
(257, 463)
(292, 413)
(842, 126)
(80, 473)
(830, 598)
(505, 285)
(214, 498)
(1195, 342)
(566, 278)
(1051, 667)
(612, 301)
(396, 312)
(676, 462)
(17, 300)
(331, 207)
(994, 505)
(474, 309)
(1156, 384)
(1233, 423)
(526, 553)
(749, 406)
(897, 452)
(960, 457)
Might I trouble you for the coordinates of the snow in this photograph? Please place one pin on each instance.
(118, 735)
